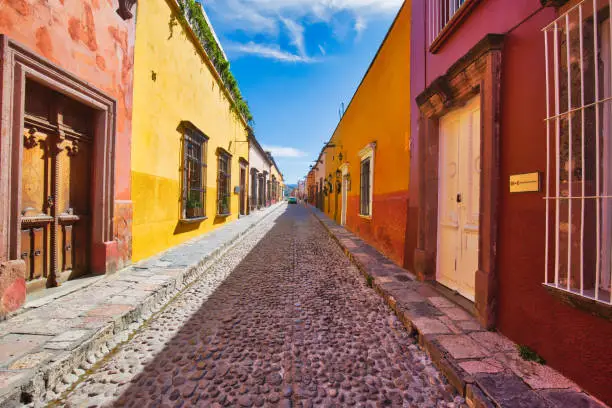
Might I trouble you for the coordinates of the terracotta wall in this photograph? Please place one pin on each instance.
(378, 113)
(91, 41)
(572, 341)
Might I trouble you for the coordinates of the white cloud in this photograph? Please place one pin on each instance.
(270, 52)
(297, 33)
(279, 151)
(262, 21)
(360, 26)
(322, 49)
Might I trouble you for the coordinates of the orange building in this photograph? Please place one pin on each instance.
(367, 160)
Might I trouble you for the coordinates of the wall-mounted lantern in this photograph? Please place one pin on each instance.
(340, 157)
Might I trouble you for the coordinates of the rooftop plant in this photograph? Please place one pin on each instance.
(192, 14)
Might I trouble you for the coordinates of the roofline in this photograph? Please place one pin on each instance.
(207, 61)
(368, 70)
(212, 30)
(253, 139)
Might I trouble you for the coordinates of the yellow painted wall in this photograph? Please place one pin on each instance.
(279, 179)
(379, 112)
(172, 83)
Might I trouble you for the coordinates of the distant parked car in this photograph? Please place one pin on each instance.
(292, 200)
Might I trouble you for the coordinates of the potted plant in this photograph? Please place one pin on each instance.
(224, 208)
(194, 207)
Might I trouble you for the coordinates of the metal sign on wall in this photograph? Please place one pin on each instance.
(526, 183)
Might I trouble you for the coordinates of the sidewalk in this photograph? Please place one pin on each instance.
(484, 367)
(64, 331)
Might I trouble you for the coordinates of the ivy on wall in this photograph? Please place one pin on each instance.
(192, 15)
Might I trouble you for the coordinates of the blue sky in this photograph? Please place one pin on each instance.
(296, 61)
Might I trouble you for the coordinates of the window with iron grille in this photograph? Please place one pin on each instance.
(365, 187)
(224, 183)
(194, 174)
(579, 151)
(440, 13)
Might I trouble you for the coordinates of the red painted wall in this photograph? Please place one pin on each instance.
(571, 341)
(387, 233)
(90, 40)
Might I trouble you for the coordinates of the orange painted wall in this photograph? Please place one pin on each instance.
(90, 40)
(379, 112)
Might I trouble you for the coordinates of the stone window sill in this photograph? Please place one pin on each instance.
(223, 215)
(582, 303)
(365, 217)
(192, 220)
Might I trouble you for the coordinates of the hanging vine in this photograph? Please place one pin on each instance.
(192, 15)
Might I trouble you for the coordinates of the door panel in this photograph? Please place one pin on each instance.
(56, 193)
(459, 198)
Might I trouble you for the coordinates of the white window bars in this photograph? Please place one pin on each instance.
(440, 12)
(579, 151)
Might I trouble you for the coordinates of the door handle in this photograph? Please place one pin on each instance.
(459, 198)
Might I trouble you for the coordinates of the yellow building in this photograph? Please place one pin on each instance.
(277, 182)
(189, 145)
(364, 170)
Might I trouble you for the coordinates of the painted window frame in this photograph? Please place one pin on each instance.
(224, 183)
(367, 154)
(192, 136)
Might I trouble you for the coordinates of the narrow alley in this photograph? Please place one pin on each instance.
(283, 319)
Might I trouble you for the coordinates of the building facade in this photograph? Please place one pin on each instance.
(277, 183)
(369, 196)
(509, 186)
(260, 174)
(65, 128)
(190, 145)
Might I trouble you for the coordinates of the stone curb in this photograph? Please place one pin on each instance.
(46, 376)
(504, 389)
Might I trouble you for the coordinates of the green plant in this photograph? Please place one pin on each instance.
(529, 354)
(193, 16)
(369, 281)
(193, 202)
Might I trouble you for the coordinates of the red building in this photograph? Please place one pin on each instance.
(66, 104)
(510, 179)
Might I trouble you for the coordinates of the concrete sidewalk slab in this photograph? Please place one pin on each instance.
(55, 336)
(485, 367)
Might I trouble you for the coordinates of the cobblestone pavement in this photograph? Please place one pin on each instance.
(283, 319)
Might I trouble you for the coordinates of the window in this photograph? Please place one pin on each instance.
(365, 187)
(579, 146)
(194, 174)
(224, 184)
(367, 177)
(440, 13)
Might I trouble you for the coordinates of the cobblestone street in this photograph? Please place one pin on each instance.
(283, 319)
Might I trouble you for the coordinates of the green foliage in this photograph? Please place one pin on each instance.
(193, 202)
(192, 15)
(529, 354)
(369, 281)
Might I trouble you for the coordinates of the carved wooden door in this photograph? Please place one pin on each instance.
(56, 193)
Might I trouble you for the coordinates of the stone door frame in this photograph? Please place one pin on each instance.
(476, 73)
(19, 64)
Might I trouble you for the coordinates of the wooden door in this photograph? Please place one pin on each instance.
(242, 191)
(459, 199)
(56, 193)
